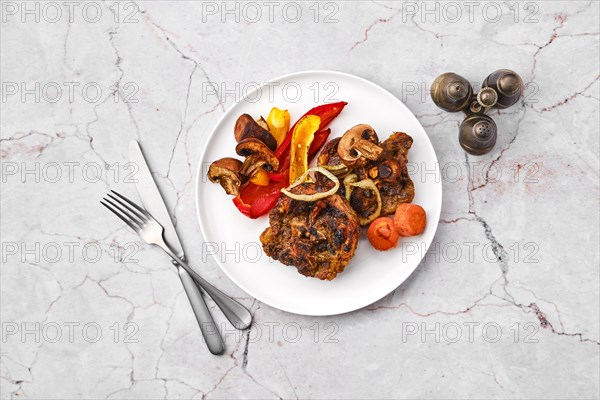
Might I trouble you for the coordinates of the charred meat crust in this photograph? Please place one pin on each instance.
(319, 238)
(329, 154)
(392, 179)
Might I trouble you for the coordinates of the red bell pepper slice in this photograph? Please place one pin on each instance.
(318, 142)
(327, 112)
(244, 208)
(254, 200)
(279, 176)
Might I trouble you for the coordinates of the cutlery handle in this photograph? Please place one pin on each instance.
(236, 313)
(209, 329)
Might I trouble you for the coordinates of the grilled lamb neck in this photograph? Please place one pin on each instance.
(390, 174)
(318, 237)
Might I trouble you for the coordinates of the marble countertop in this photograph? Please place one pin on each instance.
(504, 305)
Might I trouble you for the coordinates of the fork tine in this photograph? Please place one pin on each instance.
(114, 211)
(142, 217)
(140, 209)
(125, 211)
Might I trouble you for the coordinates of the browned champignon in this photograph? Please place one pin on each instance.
(262, 123)
(358, 144)
(226, 171)
(258, 155)
(247, 128)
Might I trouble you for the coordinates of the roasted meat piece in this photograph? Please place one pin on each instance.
(329, 155)
(390, 174)
(318, 237)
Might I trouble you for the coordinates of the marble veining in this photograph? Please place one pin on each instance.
(504, 305)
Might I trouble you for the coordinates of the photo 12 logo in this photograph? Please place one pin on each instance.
(69, 171)
(288, 332)
(467, 11)
(252, 12)
(462, 253)
(52, 12)
(56, 252)
(71, 332)
(252, 92)
(477, 171)
(469, 331)
(54, 92)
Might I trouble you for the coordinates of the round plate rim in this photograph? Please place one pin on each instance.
(388, 289)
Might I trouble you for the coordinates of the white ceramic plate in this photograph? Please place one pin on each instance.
(234, 238)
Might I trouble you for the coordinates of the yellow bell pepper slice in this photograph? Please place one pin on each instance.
(279, 123)
(302, 137)
(260, 178)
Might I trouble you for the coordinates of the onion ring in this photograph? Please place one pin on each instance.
(337, 170)
(348, 181)
(370, 185)
(316, 196)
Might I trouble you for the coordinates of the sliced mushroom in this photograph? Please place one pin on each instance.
(359, 144)
(258, 155)
(262, 123)
(226, 171)
(247, 128)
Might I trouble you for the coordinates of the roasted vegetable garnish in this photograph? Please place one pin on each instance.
(263, 124)
(255, 201)
(246, 127)
(327, 113)
(226, 171)
(260, 178)
(359, 144)
(365, 200)
(258, 155)
(382, 234)
(265, 145)
(317, 195)
(348, 181)
(302, 137)
(278, 122)
(410, 219)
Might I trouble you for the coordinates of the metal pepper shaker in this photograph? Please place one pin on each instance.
(451, 92)
(478, 132)
(508, 86)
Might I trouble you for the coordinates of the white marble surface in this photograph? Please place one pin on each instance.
(533, 269)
